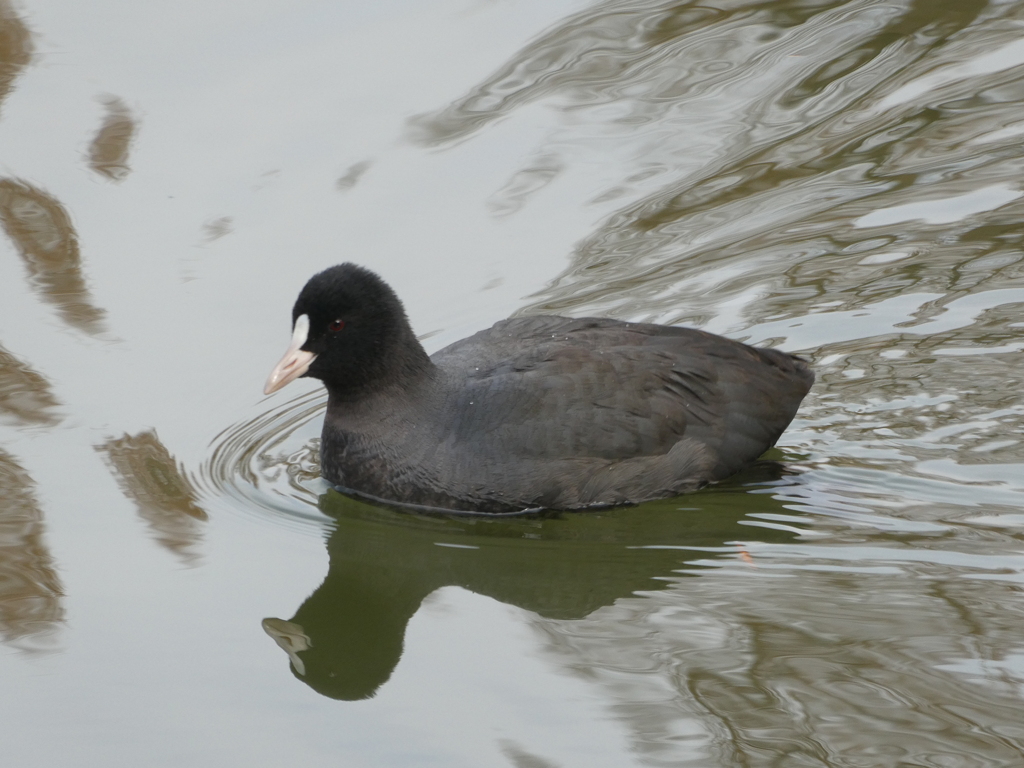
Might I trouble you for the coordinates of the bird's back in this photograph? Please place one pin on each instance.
(593, 411)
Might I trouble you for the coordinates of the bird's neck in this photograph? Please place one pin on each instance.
(396, 367)
(376, 391)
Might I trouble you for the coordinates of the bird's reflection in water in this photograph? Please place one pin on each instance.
(347, 637)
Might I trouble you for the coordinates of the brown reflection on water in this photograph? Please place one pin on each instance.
(812, 151)
(108, 153)
(519, 757)
(880, 666)
(25, 396)
(900, 401)
(753, 173)
(153, 480)
(215, 229)
(31, 609)
(605, 52)
(42, 231)
(819, 698)
(352, 176)
(15, 47)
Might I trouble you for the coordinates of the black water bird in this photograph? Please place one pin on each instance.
(535, 412)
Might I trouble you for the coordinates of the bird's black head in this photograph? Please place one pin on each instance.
(351, 332)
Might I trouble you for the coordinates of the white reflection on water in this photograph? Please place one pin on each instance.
(1006, 57)
(942, 211)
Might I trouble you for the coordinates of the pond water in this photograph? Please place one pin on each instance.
(839, 178)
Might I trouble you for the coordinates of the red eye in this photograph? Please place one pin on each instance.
(336, 325)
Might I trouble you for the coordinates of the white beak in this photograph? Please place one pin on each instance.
(296, 361)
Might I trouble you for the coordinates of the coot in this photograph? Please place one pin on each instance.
(534, 412)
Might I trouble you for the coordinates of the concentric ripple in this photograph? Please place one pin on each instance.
(270, 464)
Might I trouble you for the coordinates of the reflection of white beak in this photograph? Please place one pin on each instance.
(292, 638)
(296, 361)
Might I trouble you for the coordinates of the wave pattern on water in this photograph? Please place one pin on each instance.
(269, 464)
(838, 177)
(843, 179)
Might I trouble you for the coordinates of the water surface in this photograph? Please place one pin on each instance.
(841, 179)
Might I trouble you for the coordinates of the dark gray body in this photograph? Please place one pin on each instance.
(564, 413)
